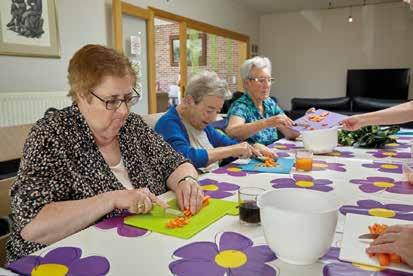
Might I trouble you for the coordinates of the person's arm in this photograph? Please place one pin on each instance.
(42, 196)
(289, 133)
(401, 113)
(286, 129)
(238, 129)
(183, 182)
(225, 147)
(241, 150)
(173, 132)
(58, 220)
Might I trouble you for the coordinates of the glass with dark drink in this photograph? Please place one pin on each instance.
(249, 213)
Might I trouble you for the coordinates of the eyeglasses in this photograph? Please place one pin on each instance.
(263, 80)
(114, 104)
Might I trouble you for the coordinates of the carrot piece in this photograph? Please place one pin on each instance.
(206, 198)
(384, 259)
(394, 258)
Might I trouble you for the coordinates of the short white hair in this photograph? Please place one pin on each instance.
(207, 83)
(258, 62)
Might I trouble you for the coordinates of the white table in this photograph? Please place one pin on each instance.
(152, 253)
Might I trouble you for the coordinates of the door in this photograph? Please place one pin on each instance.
(134, 36)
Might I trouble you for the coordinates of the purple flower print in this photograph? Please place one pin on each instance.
(284, 146)
(233, 170)
(61, 261)
(233, 254)
(374, 184)
(389, 153)
(385, 167)
(320, 165)
(217, 189)
(282, 154)
(337, 153)
(303, 182)
(397, 146)
(375, 208)
(122, 229)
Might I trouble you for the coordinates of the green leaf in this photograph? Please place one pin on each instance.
(368, 137)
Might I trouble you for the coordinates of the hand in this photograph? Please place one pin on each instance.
(352, 123)
(280, 121)
(396, 239)
(189, 195)
(242, 150)
(310, 110)
(136, 201)
(264, 151)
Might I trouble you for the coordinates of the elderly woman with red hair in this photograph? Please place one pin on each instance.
(93, 159)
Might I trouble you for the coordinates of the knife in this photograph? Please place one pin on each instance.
(368, 236)
(173, 212)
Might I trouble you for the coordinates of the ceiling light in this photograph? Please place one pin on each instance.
(350, 18)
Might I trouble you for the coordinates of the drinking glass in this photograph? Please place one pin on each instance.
(249, 213)
(303, 160)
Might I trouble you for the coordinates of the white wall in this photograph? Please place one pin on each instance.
(89, 21)
(311, 51)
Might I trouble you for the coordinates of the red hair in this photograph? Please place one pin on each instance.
(91, 64)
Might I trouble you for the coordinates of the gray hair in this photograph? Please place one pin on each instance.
(207, 83)
(258, 62)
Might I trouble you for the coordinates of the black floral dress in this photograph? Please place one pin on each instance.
(62, 162)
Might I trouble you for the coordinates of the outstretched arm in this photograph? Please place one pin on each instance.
(401, 113)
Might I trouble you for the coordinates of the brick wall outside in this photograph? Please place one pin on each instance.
(167, 75)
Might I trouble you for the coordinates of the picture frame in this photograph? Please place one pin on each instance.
(200, 46)
(29, 28)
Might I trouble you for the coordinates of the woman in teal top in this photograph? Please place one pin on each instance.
(255, 117)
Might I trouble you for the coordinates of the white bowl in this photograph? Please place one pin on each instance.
(320, 140)
(298, 224)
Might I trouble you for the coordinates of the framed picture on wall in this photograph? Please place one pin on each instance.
(29, 28)
(194, 47)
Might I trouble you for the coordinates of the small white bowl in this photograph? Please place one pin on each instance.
(298, 224)
(320, 140)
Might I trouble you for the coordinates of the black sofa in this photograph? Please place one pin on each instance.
(343, 105)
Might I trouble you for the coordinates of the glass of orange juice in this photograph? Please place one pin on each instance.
(303, 160)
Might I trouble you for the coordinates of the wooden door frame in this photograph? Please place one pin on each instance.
(118, 9)
(184, 24)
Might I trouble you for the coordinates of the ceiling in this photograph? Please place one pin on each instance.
(276, 6)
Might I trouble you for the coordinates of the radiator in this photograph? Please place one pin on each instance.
(18, 108)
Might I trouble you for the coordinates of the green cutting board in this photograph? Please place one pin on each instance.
(156, 220)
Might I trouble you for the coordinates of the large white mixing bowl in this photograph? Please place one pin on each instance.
(298, 224)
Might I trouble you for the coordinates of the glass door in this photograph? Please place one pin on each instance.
(167, 60)
(135, 48)
(133, 35)
(223, 55)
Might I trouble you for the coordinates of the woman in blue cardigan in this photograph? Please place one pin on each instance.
(187, 128)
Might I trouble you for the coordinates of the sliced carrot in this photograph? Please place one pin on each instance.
(206, 198)
(181, 221)
(384, 259)
(394, 258)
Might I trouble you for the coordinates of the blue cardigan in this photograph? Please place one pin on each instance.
(174, 132)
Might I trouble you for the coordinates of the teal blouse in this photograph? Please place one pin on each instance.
(245, 108)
